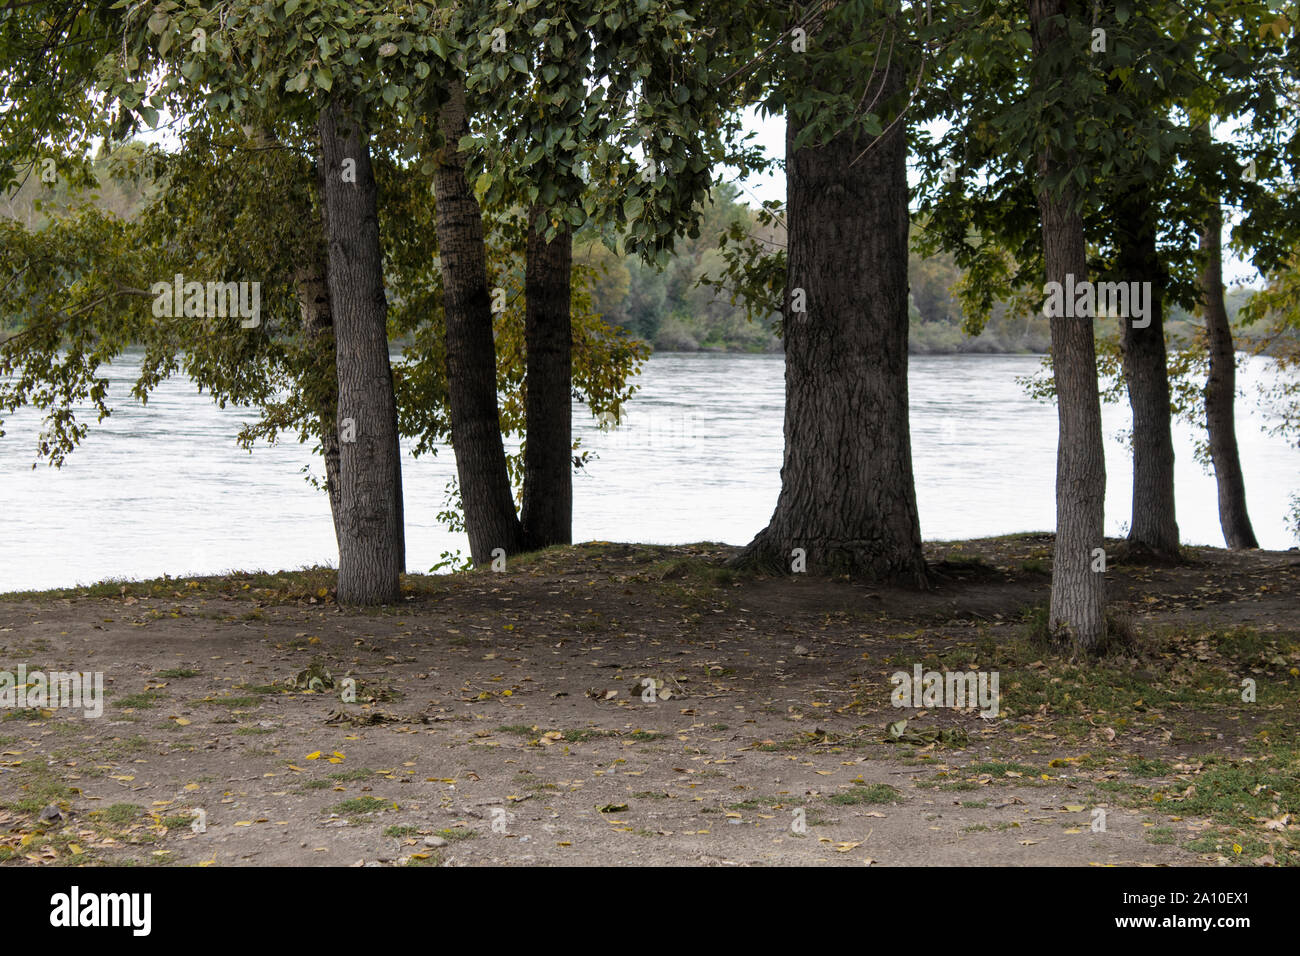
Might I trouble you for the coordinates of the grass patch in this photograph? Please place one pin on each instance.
(361, 773)
(25, 713)
(872, 793)
(359, 805)
(1143, 767)
(457, 833)
(120, 814)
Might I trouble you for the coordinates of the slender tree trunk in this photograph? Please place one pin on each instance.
(548, 339)
(485, 492)
(318, 323)
(370, 513)
(1153, 529)
(847, 494)
(1221, 392)
(1078, 611)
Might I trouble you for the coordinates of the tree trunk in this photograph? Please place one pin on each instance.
(847, 494)
(1221, 392)
(1078, 611)
(371, 554)
(486, 496)
(548, 338)
(314, 302)
(1153, 530)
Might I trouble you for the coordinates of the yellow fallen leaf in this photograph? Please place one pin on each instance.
(243, 823)
(339, 755)
(315, 755)
(1074, 808)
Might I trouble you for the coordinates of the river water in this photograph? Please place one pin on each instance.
(164, 488)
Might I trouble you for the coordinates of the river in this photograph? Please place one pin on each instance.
(164, 488)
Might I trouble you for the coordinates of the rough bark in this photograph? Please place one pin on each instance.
(1153, 528)
(486, 496)
(1078, 612)
(548, 340)
(370, 516)
(847, 494)
(1221, 391)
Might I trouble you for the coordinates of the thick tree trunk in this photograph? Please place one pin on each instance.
(1078, 610)
(486, 497)
(847, 494)
(1153, 529)
(370, 515)
(1221, 392)
(548, 339)
(318, 323)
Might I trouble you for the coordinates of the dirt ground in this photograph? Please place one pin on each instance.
(501, 718)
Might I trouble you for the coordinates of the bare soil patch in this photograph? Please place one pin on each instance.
(501, 718)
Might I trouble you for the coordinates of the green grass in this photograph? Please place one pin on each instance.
(120, 814)
(1160, 836)
(359, 805)
(997, 768)
(360, 773)
(176, 673)
(872, 793)
(1142, 767)
(457, 833)
(399, 830)
(25, 713)
(519, 730)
